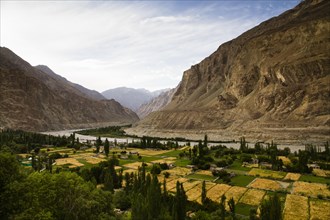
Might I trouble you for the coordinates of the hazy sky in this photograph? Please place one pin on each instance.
(139, 44)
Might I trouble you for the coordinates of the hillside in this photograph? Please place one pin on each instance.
(31, 99)
(271, 82)
(80, 90)
(156, 103)
(130, 97)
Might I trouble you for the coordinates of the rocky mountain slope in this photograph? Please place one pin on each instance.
(272, 82)
(155, 104)
(83, 91)
(31, 99)
(80, 90)
(131, 98)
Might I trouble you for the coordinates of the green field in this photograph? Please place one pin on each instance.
(314, 179)
(241, 180)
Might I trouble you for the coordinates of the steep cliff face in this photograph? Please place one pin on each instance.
(155, 104)
(272, 82)
(32, 100)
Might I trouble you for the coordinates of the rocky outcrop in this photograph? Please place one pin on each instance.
(155, 104)
(272, 82)
(32, 100)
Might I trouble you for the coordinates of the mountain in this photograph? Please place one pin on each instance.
(82, 90)
(271, 82)
(31, 99)
(131, 98)
(156, 103)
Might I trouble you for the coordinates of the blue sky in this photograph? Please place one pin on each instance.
(139, 44)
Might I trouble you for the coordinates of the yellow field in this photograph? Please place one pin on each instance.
(319, 209)
(296, 207)
(171, 185)
(187, 185)
(235, 192)
(252, 197)
(320, 172)
(134, 165)
(204, 172)
(73, 161)
(266, 173)
(285, 160)
(195, 192)
(292, 176)
(129, 171)
(147, 152)
(310, 189)
(217, 191)
(266, 184)
(179, 171)
(167, 160)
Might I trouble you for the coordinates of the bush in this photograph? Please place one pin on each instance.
(167, 174)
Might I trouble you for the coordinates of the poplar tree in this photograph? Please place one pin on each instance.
(203, 196)
(106, 147)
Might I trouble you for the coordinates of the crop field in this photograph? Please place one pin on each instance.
(204, 172)
(292, 176)
(311, 189)
(217, 191)
(285, 160)
(129, 171)
(147, 152)
(235, 192)
(73, 161)
(320, 172)
(319, 209)
(171, 185)
(265, 184)
(187, 185)
(267, 173)
(296, 207)
(167, 160)
(194, 193)
(179, 171)
(252, 197)
(134, 165)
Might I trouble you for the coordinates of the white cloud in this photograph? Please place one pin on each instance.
(102, 45)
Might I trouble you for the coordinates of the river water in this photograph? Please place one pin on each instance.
(84, 138)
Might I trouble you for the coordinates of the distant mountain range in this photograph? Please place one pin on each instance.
(270, 83)
(37, 99)
(131, 98)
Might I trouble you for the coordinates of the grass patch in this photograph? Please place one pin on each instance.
(86, 164)
(314, 179)
(244, 209)
(173, 153)
(237, 165)
(182, 162)
(241, 180)
(201, 177)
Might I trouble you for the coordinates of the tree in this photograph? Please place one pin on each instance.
(203, 196)
(98, 143)
(106, 147)
(180, 200)
(223, 207)
(271, 209)
(231, 204)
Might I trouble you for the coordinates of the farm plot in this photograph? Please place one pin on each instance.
(310, 189)
(167, 160)
(319, 209)
(147, 152)
(267, 173)
(89, 157)
(171, 185)
(320, 172)
(296, 207)
(235, 192)
(217, 191)
(194, 193)
(285, 160)
(134, 165)
(129, 171)
(204, 172)
(266, 184)
(179, 171)
(73, 161)
(252, 197)
(292, 176)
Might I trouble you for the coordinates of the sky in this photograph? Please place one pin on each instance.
(138, 44)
